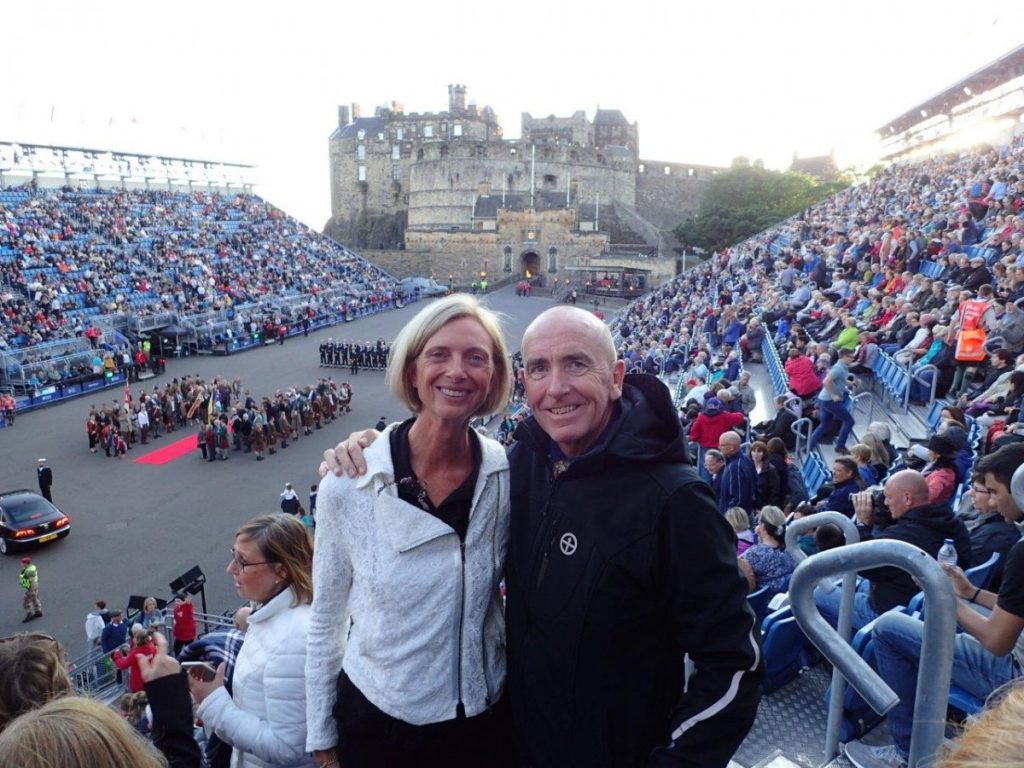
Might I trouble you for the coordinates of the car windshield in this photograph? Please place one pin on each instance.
(28, 509)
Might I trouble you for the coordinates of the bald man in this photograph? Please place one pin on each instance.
(613, 543)
(913, 520)
(738, 484)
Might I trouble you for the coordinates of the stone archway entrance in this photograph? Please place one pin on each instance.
(530, 264)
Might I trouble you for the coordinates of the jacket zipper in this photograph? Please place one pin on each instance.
(460, 707)
(553, 531)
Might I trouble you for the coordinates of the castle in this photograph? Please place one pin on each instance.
(444, 194)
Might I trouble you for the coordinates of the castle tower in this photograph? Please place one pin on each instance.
(456, 99)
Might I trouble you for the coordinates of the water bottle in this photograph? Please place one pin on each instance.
(947, 553)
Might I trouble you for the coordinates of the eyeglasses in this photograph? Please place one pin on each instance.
(242, 565)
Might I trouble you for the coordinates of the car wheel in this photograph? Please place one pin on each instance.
(5, 547)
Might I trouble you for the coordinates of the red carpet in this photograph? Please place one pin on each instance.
(169, 452)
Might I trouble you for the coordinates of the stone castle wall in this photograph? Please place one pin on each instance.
(663, 198)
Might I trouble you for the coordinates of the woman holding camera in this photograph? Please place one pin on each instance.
(264, 715)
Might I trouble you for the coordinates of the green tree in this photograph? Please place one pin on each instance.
(747, 199)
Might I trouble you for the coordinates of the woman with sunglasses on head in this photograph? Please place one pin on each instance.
(264, 716)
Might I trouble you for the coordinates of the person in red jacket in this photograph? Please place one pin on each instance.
(712, 422)
(142, 645)
(803, 381)
(184, 622)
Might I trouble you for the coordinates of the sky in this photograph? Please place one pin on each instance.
(259, 83)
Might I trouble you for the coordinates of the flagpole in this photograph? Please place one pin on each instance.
(533, 173)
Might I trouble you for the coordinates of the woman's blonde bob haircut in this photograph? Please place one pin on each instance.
(413, 339)
(75, 732)
(284, 541)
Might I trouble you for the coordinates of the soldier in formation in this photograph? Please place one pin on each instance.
(354, 354)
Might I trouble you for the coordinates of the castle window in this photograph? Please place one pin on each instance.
(361, 134)
(361, 152)
(457, 129)
(508, 258)
(380, 136)
(444, 128)
(396, 152)
(550, 180)
(668, 170)
(641, 168)
(396, 173)
(552, 259)
(419, 153)
(398, 134)
(362, 173)
(428, 131)
(691, 172)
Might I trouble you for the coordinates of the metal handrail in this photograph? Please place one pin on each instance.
(935, 667)
(795, 527)
(859, 398)
(802, 428)
(935, 379)
(795, 404)
(845, 623)
(1017, 486)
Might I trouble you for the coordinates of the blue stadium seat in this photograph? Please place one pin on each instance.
(758, 602)
(981, 575)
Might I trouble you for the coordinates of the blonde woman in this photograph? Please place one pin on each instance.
(94, 733)
(413, 552)
(880, 460)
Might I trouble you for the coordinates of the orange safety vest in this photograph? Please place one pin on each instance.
(970, 341)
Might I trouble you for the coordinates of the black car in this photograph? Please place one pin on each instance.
(28, 518)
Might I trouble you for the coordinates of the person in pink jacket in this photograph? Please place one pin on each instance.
(142, 645)
(803, 381)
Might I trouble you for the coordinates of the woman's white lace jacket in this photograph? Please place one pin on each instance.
(427, 628)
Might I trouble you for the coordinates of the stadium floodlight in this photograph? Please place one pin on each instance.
(924, 113)
(967, 90)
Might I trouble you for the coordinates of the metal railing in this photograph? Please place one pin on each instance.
(849, 586)
(935, 666)
(933, 385)
(802, 428)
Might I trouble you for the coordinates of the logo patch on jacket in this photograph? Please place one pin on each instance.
(567, 543)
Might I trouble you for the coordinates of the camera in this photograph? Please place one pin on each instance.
(879, 509)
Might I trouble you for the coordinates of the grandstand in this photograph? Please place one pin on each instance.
(177, 254)
(911, 241)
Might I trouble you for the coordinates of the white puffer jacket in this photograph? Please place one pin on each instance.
(265, 718)
(428, 628)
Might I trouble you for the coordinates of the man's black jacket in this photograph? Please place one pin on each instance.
(925, 527)
(616, 569)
